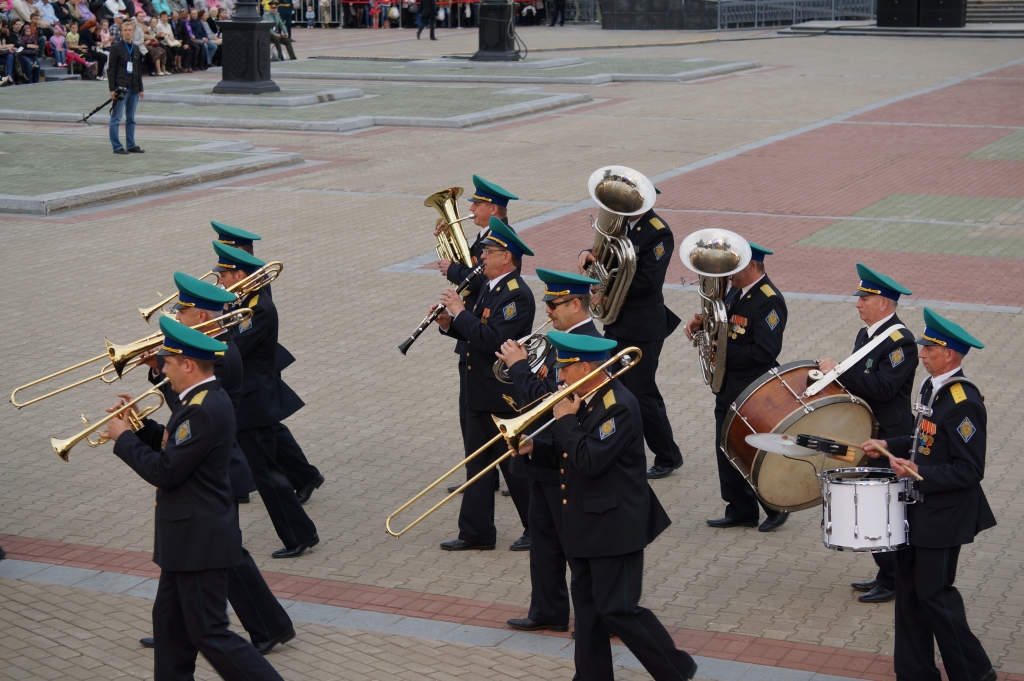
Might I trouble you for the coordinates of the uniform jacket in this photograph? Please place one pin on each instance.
(227, 368)
(532, 386)
(951, 459)
(757, 322)
(266, 399)
(286, 400)
(117, 68)
(608, 508)
(498, 315)
(644, 316)
(885, 378)
(196, 516)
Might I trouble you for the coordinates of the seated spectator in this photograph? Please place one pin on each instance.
(207, 48)
(182, 31)
(22, 9)
(155, 51)
(310, 16)
(31, 49)
(161, 7)
(86, 19)
(58, 46)
(165, 34)
(47, 17)
(62, 10)
(178, 6)
(115, 7)
(278, 33)
(8, 53)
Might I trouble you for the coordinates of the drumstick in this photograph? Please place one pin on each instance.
(883, 450)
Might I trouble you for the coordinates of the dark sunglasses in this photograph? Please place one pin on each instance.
(552, 304)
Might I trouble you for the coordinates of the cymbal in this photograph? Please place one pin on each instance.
(779, 443)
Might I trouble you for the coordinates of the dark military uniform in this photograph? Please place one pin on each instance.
(757, 322)
(951, 509)
(290, 456)
(645, 322)
(504, 313)
(549, 601)
(609, 515)
(198, 539)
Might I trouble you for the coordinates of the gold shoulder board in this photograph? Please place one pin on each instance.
(657, 224)
(957, 391)
(896, 335)
(513, 285)
(255, 299)
(609, 399)
(198, 399)
(767, 290)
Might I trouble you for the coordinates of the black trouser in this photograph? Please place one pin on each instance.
(242, 482)
(740, 500)
(549, 600)
(190, 617)
(640, 381)
(291, 522)
(292, 461)
(606, 597)
(928, 607)
(558, 13)
(425, 23)
(476, 519)
(195, 53)
(258, 610)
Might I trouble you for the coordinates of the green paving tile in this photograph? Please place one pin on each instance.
(386, 100)
(1009, 148)
(589, 67)
(904, 237)
(947, 209)
(39, 164)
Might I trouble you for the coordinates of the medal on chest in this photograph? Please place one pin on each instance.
(926, 437)
(737, 326)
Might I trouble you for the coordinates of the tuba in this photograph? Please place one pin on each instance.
(620, 193)
(451, 240)
(715, 255)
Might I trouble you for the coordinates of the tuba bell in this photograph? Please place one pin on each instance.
(451, 240)
(715, 255)
(620, 193)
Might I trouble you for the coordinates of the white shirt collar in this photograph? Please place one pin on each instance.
(942, 379)
(632, 223)
(746, 289)
(577, 325)
(491, 283)
(873, 329)
(181, 395)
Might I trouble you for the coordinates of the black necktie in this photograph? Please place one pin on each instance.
(926, 390)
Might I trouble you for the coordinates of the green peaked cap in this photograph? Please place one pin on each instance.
(488, 192)
(940, 331)
(558, 284)
(194, 292)
(231, 258)
(181, 340)
(501, 235)
(233, 236)
(758, 252)
(575, 347)
(874, 283)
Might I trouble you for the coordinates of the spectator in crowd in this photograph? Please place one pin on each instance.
(154, 50)
(428, 17)
(9, 52)
(182, 32)
(114, 30)
(200, 36)
(59, 47)
(89, 49)
(229, 5)
(62, 11)
(161, 7)
(30, 49)
(86, 19)
(47, 17)
(213, 32)
(558, 13)
(40, 28)
(76, 50)
(173, 46)
(125, 72)
(6, 12)
(115, 7)
(178, 6)
(310, 16)
(22, 9)
(278, 32)
(325, 13)
(284, 10)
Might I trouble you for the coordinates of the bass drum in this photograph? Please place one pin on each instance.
(772, 404)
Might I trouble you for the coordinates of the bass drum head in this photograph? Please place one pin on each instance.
(791, 484)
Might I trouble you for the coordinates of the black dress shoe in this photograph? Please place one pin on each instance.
(244, 499)
(298, 550)
(460, 545)
(3, 554)
(774, 522)
(147, 642)
(121, 152)
(521, 544)
(306, 492)
(657, 471)
(865, 586)
(452, 488)
(506, 493)
(266, 646)
(990, 676)
(878, 595)
(136, 150)
(726, 521)
(526, 624)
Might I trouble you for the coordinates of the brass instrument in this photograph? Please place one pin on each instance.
(715, 255)
(63, 447)
(620, 193)
(123, 358)
(451, 240)
(148, 312)
(537, 347)
(512, 429)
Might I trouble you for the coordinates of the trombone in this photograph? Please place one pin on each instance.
(254, 282)
(148, 312)
(537, 347)
(63, 447)
(123, 358)
(512, 429)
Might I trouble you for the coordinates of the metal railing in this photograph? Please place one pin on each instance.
(757, 13)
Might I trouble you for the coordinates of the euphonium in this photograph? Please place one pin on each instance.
(620, 193)
(451, 240)
(715, 255)
(537, 347)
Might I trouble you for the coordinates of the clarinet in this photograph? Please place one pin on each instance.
(430, 318)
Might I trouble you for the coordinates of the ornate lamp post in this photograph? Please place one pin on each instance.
(246, 53)
(497, 32)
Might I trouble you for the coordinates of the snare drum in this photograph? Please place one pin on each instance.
(864, 509)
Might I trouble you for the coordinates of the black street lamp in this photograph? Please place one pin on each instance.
(245, 53)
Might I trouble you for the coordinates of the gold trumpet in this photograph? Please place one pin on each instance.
(254, 282)
(123, 358)
(512, 429)
(63, 447)
(148, 312)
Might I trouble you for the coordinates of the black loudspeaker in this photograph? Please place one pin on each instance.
(897, 12)
(943, 14)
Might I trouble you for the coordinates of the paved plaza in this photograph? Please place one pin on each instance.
(905, 154)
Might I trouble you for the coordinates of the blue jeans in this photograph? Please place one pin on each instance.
(211, 49)
(131, 100)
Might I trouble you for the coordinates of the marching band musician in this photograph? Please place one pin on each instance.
(503, 309)
(567, 300)
(257, 343)
(303, 476)
(646, 322)
(258, 610)
(488, 201)
(884, 379)
(609, 515)
(950, 510)
(197, 535)
(757, 317)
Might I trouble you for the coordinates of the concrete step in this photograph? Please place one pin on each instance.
(815, 28)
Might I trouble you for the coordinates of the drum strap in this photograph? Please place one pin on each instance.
(850, 361)
(924, 411)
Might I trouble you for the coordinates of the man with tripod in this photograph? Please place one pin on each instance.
(124, 75)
